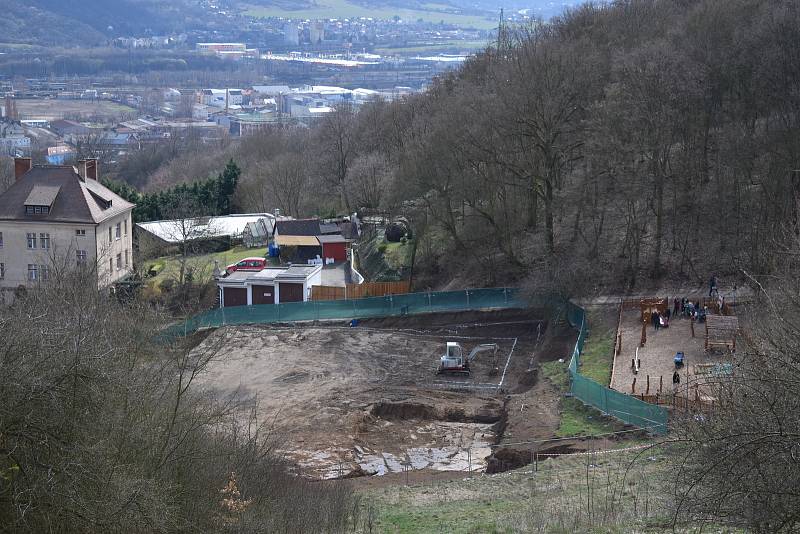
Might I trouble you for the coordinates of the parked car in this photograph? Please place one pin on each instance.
(247, 264)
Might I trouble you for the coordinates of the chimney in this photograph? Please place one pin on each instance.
(22, 166)
(92, 169)
(80, 168)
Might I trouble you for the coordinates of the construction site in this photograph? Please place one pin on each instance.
(429, 394)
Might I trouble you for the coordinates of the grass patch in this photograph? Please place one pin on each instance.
(341, 9)
(398, 255)
(578, 419)
(598, 352)
(473, 517)
(551, 500)
(202, 264)
(382, 261)
(433, 48)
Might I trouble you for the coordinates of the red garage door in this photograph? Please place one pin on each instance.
(291, 293)
(235, 296)
(337, 251)
(263, 295)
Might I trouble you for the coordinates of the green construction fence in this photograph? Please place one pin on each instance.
(623, 407)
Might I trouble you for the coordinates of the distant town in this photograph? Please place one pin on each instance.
(298, 72)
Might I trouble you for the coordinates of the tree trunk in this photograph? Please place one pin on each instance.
(659, 191)
(548, 214)
(533, 205)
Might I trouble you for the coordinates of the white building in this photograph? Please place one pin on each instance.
(221, 98)
(272, 285)
(202, 112)
(64, 214)
(166, 235)
(291, 32)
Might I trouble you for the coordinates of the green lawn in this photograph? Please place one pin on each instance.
(328, 9)
(398, 255)
(598, 351)
(202, 264)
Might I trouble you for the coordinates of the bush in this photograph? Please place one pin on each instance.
(382, 248)
(166, 286)
(102, 429)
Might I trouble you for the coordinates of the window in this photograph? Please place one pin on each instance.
(125, 227)
(37, 210)
(119, 261)
(33, 272)
(111, 266)
(126, 258)
(2, 270)
(45, 240)
(80, 232)
(1, 239)
(118, 232)
(31, 241)
(44, 272)
(81, 256)
(110, 239)
(29, 210)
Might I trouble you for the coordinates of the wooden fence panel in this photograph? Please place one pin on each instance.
(327, 293)
(358, 291)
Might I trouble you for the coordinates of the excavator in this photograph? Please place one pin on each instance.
(453, 361)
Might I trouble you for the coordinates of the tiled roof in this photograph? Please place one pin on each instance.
(298, 227)
(77, 200)
(42, 195)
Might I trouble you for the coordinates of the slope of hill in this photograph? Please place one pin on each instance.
(90, 22)
(125, 17)
(26, 24)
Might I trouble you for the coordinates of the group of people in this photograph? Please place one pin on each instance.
(660, 321)
(686, 308)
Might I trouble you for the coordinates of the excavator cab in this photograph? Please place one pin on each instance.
(453, 359)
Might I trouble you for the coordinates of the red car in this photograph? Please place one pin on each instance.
(247, 264)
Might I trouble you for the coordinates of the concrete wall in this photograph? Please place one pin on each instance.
(64, 244)
(108, 270)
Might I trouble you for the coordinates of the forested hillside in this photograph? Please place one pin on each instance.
(620, 144)
(25, 23)
(90, 22)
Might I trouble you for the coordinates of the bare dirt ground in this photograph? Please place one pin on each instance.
(657, 356)
(367, 400)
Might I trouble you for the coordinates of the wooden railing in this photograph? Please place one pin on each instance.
(357, 291)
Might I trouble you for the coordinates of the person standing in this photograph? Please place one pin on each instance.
(676, 381)
(712, 285)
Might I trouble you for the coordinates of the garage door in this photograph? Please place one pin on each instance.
(263, 295)
(235, 296)
(291, 293)
(337, 251)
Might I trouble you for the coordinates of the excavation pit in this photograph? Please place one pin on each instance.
(349, 402)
